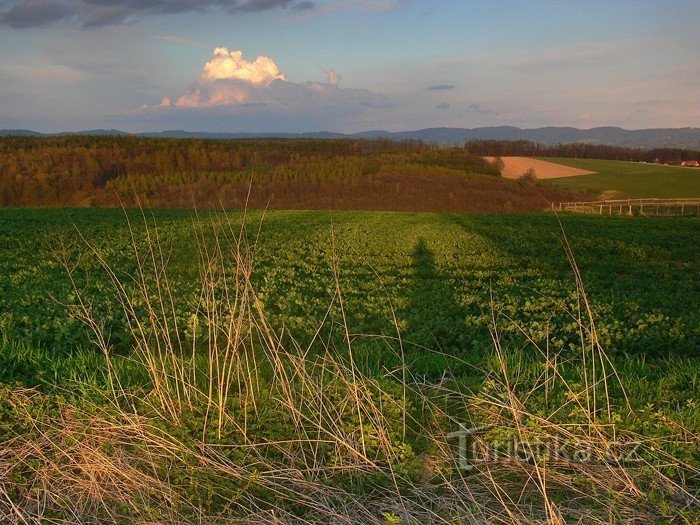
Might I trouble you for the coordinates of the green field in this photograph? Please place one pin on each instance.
(329, 371)
(631, 179)
(437, 270)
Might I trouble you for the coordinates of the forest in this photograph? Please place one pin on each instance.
(578, 150)
(379, 174)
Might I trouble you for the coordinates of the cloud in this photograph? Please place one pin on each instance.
(35, 13)
(179, 40)
(22, 14)
(235, 88)
(228, 79)
(232, 65)
(253, 6)
(369, 6)
(38, 73)
(441, 87)
(304, 6)
(444, 105)
(476, 108)
(333, 77)
(105, 16)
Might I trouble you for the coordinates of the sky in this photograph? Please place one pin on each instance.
(347, 65)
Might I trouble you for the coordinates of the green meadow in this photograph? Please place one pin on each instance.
(631, 179)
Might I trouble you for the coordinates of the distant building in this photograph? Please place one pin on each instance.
(691, 163)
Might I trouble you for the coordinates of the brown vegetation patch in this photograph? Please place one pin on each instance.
(345, 175)
(426, 192)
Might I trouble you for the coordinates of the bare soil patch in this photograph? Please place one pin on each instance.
(516, 167)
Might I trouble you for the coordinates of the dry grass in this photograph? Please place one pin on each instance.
(190, 449)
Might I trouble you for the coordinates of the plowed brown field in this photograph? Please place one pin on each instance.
(517, 166)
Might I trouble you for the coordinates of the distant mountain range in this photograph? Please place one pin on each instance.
(688, 138)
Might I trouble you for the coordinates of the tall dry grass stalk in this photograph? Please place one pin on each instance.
(240, 423)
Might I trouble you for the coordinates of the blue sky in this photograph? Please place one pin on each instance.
(346, 65)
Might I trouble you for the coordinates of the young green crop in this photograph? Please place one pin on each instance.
(439, 272)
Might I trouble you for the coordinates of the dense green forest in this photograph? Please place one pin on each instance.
(284, 174)
(579, 150)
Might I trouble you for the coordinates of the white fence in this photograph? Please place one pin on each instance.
(633, 207)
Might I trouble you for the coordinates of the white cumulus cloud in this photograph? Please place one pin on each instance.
(233, 92)
(225, 65)
(228, 79)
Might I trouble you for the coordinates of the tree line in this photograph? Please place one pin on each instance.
(290, 174)
(579, 150)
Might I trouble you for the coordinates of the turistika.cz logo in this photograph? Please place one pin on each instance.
(473, 448)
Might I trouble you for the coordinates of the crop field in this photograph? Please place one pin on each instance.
(221, 368)
(516, 167)
(631, 179)
(438, 270)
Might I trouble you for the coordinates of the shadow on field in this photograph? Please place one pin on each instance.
(433, 313)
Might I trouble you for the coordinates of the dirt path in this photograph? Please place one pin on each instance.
(517, 166)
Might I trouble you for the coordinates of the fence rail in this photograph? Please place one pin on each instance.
(633, 207)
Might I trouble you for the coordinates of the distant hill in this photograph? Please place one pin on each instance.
(96, 132)
(19, 133)
(687, 138)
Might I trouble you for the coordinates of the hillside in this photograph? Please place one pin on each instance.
(688, 138)
(279, 174)
(630, 179)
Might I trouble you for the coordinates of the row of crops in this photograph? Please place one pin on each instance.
(442, 275)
